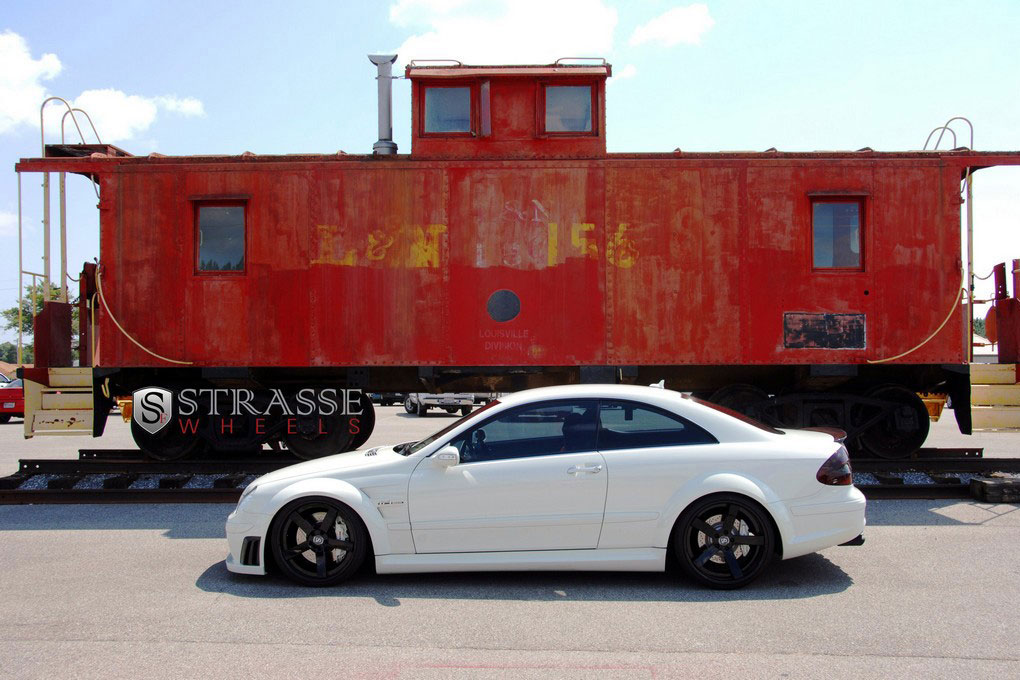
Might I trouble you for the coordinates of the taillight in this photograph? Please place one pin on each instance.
(836, 471)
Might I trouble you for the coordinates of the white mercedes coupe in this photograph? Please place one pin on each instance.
(581, 477)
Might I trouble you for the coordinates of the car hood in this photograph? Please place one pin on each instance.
(349, 464)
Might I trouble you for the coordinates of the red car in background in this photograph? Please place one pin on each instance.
(12, 400)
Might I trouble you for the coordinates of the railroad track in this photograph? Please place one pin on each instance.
(123, 476)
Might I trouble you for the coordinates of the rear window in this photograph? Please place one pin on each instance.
(736, 414)
(628, 425)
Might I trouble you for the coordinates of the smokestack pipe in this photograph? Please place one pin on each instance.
(384, 63)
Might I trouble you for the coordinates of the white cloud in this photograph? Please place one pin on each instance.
(186, 106)
(117, 115)
(504, 32)
(628, 71)
(8, 223)
(21, 76)
(678, 25)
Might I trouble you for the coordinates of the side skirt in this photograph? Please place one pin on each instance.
(618, 559)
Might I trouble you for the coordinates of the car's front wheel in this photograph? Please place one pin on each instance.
(724, 541)
(318, 541)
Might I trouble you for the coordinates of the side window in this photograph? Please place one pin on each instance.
(542, 430)
(836, 227)
(220, 235)
(447, 110)
(568, 109)
(627, 425)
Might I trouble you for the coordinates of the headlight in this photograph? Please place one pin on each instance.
(246, 495)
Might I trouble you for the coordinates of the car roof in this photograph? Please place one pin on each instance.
(720, 424)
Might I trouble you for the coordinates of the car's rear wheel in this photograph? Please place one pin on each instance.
(724, 541)
(5, 418)
(318, 541)
(422, 409)
(409, 405)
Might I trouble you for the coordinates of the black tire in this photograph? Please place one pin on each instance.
(167, 444)
(333, 550)
(421, 410)
(724, 541)
(409, 404)
(5, 418)
(451, 411)
(464, 410)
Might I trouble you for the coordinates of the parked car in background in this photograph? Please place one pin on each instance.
(579, 477)
(386, 398)
(451, 402)
(12, 400)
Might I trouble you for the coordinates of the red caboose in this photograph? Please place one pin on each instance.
(509, 250)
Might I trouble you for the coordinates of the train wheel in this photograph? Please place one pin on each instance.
(741, 398)
(902, 422)
(167, 444)
(318, 436)
(365, 423)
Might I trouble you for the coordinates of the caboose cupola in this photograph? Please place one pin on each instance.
(508, 111)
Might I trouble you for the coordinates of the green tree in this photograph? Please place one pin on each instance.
(9, 353)
(33, 299)
(979, 327)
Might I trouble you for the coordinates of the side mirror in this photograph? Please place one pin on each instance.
(448, 456)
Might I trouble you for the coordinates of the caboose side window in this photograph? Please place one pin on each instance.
(447, 110)
(220, 231)
(836, 232)
(568, 109)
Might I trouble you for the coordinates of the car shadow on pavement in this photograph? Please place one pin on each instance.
(802, 577)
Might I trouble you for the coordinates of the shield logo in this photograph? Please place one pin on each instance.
(151, 408)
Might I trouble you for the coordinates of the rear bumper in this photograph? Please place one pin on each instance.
(817, 525)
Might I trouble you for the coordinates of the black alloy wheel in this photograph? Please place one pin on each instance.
(318, 541)
(723, 541)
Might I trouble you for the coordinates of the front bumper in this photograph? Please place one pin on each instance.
(242, 525)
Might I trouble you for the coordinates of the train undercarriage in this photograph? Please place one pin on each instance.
(878, 406)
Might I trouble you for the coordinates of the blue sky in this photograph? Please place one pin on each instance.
(226, 77)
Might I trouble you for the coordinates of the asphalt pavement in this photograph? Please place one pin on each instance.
(96, 591)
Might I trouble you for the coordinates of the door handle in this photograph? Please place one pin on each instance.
(590, 469)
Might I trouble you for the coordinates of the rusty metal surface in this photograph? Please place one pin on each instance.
(620, 260)
(823, 331)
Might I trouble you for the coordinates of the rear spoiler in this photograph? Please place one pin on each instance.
(836, 433)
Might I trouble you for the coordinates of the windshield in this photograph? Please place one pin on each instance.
(736, 414)
(418, 446)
